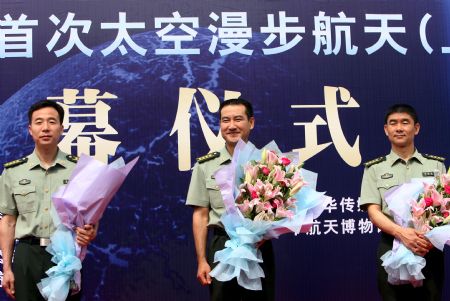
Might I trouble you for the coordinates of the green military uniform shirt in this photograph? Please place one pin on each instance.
(203, 189)
(26, 189)
(387, 172)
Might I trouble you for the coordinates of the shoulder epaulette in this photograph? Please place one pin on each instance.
(15, 162)
(432, 157)
(374, 161)
(208, 157)
(71, 158)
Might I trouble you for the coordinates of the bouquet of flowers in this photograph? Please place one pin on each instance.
(427, 210)
(268, 189)
(265, 195)
(82, 201)
(432, 208)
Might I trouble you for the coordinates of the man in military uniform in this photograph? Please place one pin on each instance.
(26, 187)
(236, 122)
(403, 163)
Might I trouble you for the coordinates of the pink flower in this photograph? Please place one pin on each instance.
(245, 207)
(445, 214)
(270, 192)
(437, 219)
(263, 206)
(252, 191)
(282, 213)
(296, 178)
(437, 198)
(272, 158)
(285, 161)
(276, 203)
(447, 189)
(251, 172)
(265, 170)
(279, 175)
(428, 201)
(290, 202)
(445, 179)
(418, 208)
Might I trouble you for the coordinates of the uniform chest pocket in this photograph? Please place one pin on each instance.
(215, 197)
(25, 197)
(386, 184)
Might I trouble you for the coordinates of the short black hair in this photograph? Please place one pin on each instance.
(237, 101)
(46, 104)
(401, 108)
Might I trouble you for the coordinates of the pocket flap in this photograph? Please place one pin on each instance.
(24, 190)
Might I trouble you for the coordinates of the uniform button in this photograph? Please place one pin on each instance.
(46, 227)
(46, 209)
(46, 190)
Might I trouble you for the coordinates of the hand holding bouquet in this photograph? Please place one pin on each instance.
(82, 201)
(265, 195)
(427, 211)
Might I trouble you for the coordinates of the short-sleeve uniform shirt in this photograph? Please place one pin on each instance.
(390, 171)
(203, 189)
(26, 189)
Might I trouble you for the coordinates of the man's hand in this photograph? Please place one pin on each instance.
(8, 283)
(203, 273)
(85, 235)
(415, 241)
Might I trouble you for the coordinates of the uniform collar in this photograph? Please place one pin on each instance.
(225, 156)
(393, 158)
(33, 159)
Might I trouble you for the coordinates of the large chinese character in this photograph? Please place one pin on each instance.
(323, 32)
(332, 205)
(85, 121)
(347, 204)
(74, 39)
(348, 226)
(350, 154)
(177, 38)
(385, 32)
(123, 36)
(16, 41)
(234, 33)
(365, 226)
(182, 122)
(330, 225)
(282, 30)
(315, 229)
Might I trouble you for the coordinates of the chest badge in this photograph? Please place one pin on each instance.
(24, 182)
(387, 176)
(428, 173)
(65, 181)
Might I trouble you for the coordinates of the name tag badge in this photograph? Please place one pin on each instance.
(65, 181)
(387, 176)
(24, 182)
(428, 174)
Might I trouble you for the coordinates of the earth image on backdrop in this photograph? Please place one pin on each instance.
(147, 226)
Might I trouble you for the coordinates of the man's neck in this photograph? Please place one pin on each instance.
(46, 155)
(404, 152)
(230, 149)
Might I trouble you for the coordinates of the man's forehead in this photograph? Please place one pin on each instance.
(233, 110)
(47, 112)
(399, 116)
